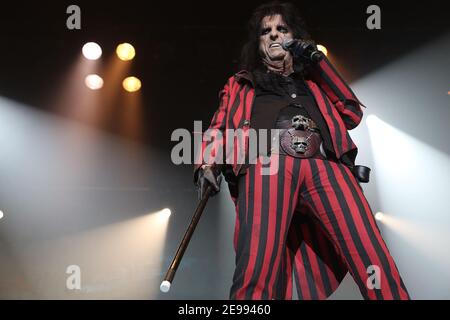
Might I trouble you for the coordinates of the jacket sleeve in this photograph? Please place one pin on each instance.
(338, 91)
(213, 140)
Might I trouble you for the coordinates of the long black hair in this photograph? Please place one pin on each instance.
(250, 56)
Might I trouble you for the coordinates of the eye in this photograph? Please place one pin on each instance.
(282, 29)
(265, 31)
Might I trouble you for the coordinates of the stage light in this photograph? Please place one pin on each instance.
(323, 49)
(125, 51)
(93, 82)
(131, 84)
(379, 216)
(165, 213)
(1, 214)
(372, 120)
(92, 51)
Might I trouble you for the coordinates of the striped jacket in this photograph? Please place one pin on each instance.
(341, 111)
(335, 99)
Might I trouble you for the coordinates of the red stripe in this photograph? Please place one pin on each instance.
(233, 96)
(286, 192)
(336, 80)
(254, 240)
(240, 109)
(247, 191)
(362, 231)
(321, 103)
(342, 128)
(380, 240)
(320, 287)
(324, 249)
(300, 267)
(324, 218)
(354, 117)
(270, 244)
(249, 103)
(236, 229)
(288, 294)
(334, 283)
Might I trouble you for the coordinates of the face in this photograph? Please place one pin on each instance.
(272, 33)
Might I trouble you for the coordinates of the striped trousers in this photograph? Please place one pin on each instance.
(310, 221)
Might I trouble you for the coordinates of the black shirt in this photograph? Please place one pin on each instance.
(278, 96)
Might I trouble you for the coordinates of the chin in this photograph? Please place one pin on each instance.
(278, 57)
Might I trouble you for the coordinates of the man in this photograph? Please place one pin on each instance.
(309, 216)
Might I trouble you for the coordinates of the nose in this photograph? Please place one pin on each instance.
(273, 34)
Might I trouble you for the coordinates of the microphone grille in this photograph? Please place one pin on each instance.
(287, 43)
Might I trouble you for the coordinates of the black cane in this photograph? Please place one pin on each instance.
(165, 285)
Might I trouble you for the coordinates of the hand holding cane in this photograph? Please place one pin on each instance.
(210, 189)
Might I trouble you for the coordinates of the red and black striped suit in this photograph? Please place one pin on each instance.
(310, 219)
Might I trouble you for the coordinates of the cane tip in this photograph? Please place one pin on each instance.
(165, 286)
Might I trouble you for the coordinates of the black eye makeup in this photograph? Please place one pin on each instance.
(265, 31)
(282, 29)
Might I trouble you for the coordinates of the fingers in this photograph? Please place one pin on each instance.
(207, 177)
(212, 178)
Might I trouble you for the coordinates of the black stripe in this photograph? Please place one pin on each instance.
(262, 241)
(337, 128)
(295, 179)
(356, 109)
(349, 123)
(331, 84)
(329, 212)
(323, 272)
(351, 225)
(371, 232)
(281, 177)
(222, 106)
(234, 108)
(334, 261)
(297, 282)
(279, 206)
(244, 111)
(244, 235)
(308, 272)
(279, 291)
(342, 80)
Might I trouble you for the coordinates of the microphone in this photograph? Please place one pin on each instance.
(302, 49)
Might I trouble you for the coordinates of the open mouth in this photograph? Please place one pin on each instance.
(275, 45)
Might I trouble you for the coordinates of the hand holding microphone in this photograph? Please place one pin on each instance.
(305, 49)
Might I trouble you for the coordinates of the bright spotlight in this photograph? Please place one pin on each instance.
(93, 82)
(1, 214)
(131, 84)
(371, 118)
(165, 213)
(125, 51)
(379, 216)
(92, 51)
(323, 49)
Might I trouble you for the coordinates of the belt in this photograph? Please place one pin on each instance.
(300, 138)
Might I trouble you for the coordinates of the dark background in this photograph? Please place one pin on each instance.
(58, 179)
(187, 50)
